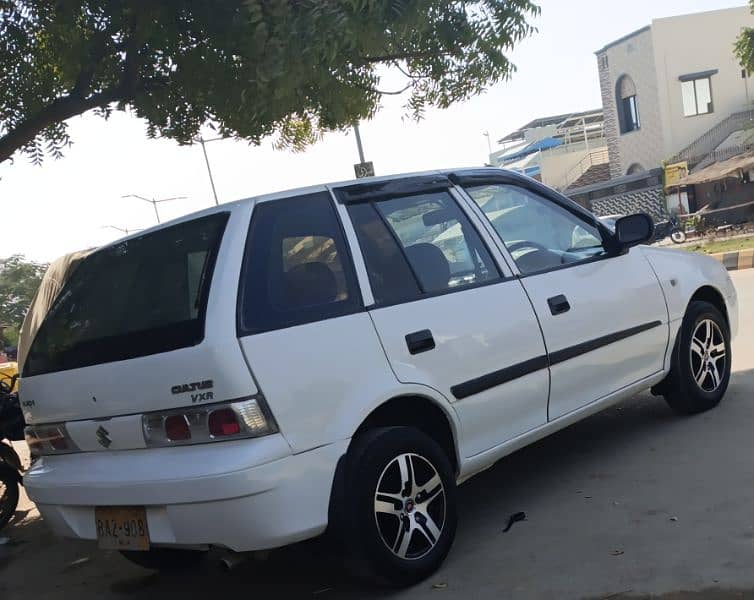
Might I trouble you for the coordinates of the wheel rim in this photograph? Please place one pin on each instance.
(409, 506)
(708, 355)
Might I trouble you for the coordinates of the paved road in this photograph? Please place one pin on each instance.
(630, 502)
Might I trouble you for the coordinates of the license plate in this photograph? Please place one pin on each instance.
(122, 527)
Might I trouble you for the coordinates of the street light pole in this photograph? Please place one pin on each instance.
(154, 202)
(202, 141)
(357, 133)
(489, 144)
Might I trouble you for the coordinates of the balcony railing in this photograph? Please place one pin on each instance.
(594, 157)
(699, 149)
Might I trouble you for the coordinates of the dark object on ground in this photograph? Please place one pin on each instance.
(514, 518)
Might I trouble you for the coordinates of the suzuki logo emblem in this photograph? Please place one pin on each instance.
(103, 437)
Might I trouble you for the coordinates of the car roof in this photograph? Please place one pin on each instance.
(352, 184)
(325, 187)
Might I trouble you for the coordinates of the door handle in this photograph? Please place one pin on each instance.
(420, 341)
(558, 304)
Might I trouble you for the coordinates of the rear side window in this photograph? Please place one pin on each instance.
(297, 268)
(142, 296)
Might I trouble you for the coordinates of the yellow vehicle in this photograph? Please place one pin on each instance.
(8, 373)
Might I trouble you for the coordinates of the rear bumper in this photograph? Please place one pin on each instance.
(195, 495)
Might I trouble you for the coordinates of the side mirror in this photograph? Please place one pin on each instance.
(633, 230)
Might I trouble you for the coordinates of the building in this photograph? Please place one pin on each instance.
(673, 90)
(557, 150)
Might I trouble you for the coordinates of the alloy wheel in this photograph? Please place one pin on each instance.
(708, 355)
(409, 506)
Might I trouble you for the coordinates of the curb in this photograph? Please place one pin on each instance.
(740, 259)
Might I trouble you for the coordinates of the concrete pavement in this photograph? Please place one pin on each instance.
(634, 501)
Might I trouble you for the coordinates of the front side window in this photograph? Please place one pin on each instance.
(138, 297)
(418, 245)
(538, 233)
(697, 97)
(296, 267)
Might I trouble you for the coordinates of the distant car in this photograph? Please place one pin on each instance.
(340, 357)
(609, 221)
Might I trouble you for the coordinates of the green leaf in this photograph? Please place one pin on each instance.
(291, 69)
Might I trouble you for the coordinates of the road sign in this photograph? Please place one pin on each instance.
(365, 169)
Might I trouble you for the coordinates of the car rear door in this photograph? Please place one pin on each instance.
(301, 321)
(603, 313)
(449, 315)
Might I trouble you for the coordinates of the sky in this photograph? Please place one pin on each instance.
(74, 202)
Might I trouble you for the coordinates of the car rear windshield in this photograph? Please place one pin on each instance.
(142, 296)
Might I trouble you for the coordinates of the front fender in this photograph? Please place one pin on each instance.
(681, 274)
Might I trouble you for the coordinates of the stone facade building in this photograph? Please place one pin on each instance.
(668, 83)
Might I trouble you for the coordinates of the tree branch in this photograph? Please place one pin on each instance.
(383, 92)
(55, 112)
(401, 56)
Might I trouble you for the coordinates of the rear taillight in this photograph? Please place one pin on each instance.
(177, 428)
(210, 423)
(49, 439)
(223, 422)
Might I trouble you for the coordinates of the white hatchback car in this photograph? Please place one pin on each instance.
(341, 357)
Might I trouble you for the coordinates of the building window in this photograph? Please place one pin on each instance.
(630, 114)
(628, 110)
(697, 96)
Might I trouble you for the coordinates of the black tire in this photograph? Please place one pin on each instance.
(678, 236)
(8, 494)
(166, 560)
(681, 390)
(374, 460)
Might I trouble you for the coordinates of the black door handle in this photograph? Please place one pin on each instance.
(558, 304)
(420, 341)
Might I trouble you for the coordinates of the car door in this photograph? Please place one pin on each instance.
(602, 312)
(448, 317)
(302, 326)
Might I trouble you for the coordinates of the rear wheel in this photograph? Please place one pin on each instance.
(401, 504)
(168, 560)
(8, 494)
(700, 370)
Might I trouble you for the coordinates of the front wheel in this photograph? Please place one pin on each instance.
(678, 236)
(401, 505)
(701, 361)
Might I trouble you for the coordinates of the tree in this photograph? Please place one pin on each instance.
(19, 280)
(249, 68)
(744, 47)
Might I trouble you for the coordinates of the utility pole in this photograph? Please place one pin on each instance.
(362, 168)
(357, 133)
(489, 143)
(202, 141)
(154, 202)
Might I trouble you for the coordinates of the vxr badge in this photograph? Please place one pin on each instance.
(103, 437)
